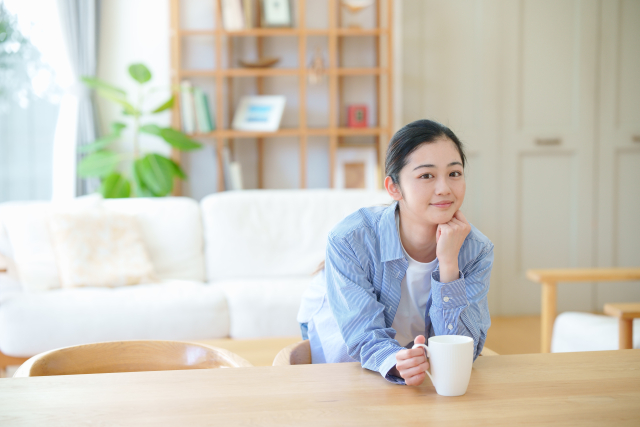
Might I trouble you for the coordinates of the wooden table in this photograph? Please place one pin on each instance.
(550, 278)
(582, 389)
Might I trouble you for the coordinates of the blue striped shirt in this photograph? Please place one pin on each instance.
(348, 310)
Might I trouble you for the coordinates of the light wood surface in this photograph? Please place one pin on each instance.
(625, 312)
(223, 75)
(129, 356)
(551, 277)
(259, 352)
(514, 335)
(581, 389)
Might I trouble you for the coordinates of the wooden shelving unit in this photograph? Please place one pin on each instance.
(335, 34)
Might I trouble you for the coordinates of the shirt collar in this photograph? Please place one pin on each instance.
(390, 246)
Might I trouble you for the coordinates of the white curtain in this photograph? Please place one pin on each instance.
(76, 123)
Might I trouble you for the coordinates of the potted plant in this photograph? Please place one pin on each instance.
(133, 174)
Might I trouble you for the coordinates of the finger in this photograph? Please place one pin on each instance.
(403, 365)
(415, 380)
(407, 373)
(409, 354)
(420, 339)
(459, 215)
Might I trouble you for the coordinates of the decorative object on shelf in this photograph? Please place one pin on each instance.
(204, 123)
(152, 174)
(232, 172)
(357, 116)
(232, 15)
(356, 167)
(354, 7)
(317, 69)
(276, 13)
(259, 113)
(260, 63)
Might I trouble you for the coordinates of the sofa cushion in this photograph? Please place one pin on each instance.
(31, 323)
(274, 233)
(264, 308)
(171, 230)
(574, 331)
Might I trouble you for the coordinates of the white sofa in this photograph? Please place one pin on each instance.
(234, 265)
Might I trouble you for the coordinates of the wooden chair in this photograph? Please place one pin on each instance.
(625, 312)
(129, 356)
(300, 354)
(550, 278)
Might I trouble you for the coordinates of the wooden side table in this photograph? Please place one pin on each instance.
(550, 278)
(625, 312)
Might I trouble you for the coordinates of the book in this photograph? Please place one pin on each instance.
(203, 122)
(212, 121)
(186, 107)
(247, 8)
(232, 16)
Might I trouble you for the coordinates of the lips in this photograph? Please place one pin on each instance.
(443, 205)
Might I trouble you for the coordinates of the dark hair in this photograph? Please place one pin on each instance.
(412, 136)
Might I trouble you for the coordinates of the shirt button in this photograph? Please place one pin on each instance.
(450, 326)
(445, 299)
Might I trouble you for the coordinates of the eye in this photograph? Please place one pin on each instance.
(455, 174)
(426, 176)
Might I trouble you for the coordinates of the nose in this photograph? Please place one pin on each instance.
(442, 186)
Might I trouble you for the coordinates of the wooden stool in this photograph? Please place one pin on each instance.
(625, 312)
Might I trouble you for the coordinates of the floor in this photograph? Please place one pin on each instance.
(507, 335)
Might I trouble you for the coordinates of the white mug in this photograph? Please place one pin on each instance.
(450, 358)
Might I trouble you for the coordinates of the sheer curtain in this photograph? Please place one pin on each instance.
(76, 122)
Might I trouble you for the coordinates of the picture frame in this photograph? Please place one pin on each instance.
(357, 116)
(276, 13)
(259, 113)
(356, 168)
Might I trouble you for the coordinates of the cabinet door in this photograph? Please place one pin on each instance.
(450, 74)
(547, 164)
(618, 159)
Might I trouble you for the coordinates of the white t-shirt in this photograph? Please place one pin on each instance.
(416, 287)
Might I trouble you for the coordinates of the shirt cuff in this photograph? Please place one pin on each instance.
(448, 296)
(386, 366)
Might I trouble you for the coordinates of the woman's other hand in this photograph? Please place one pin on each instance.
(449, 239)
(411, 364)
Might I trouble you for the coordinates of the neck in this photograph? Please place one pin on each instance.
(418, 238)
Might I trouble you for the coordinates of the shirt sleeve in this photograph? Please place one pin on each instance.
(358, 313)
(460, 307)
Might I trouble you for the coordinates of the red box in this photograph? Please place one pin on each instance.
(357, 116)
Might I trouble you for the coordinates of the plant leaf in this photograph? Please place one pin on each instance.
(165, 106)
(116, 127)
(179, 140)
(100, 163)
(128, 108)
(140, 189)
(98, 84)
(151, 129)
(140, 73)
(157, 174)
(115, 186)
(98, 144)
(177, 170)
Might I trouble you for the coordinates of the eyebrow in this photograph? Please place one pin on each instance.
(433, 166)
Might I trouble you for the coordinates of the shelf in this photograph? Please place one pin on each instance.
(292, 32)
(231, 133)
(258, 72)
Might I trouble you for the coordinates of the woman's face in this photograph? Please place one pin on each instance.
(432, 184)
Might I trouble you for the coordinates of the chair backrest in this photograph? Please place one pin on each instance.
(129, 356)
(294, 354)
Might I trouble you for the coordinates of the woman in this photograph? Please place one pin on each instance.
(396, 274)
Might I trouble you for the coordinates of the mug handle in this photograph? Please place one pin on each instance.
(428, 352)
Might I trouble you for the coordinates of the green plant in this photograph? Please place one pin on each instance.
(151, 175)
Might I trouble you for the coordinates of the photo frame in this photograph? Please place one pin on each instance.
(356, 168)
(276, 13)
(259, 113)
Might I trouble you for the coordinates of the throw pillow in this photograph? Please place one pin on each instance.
(99, 248)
